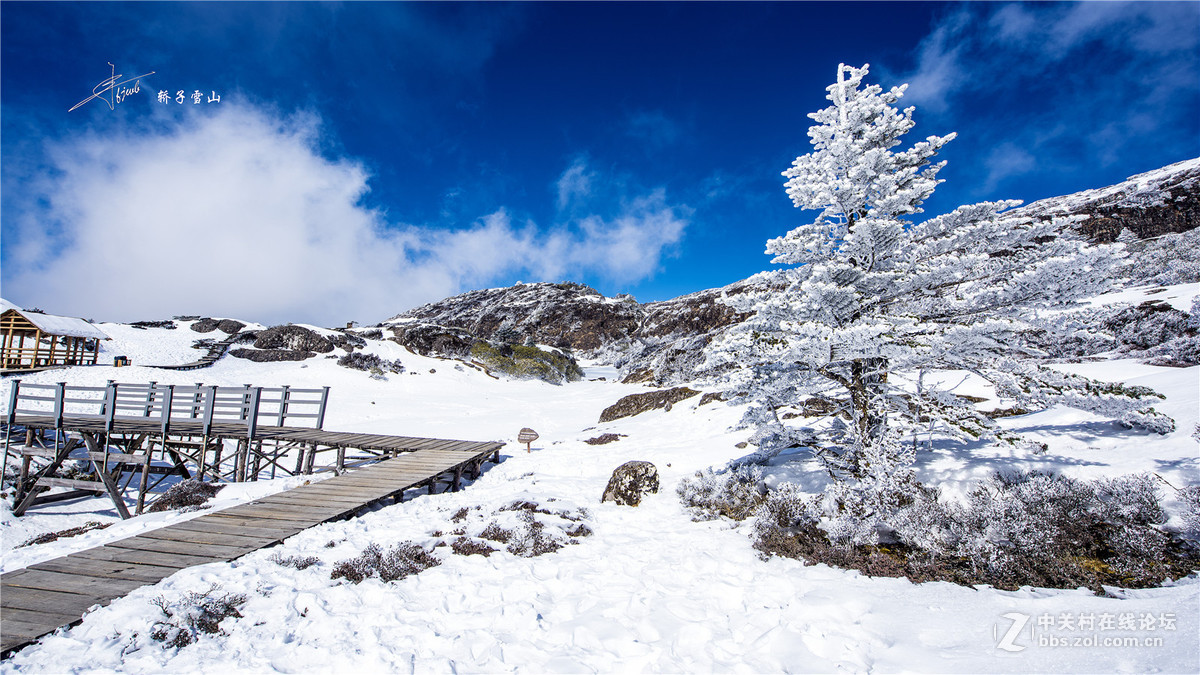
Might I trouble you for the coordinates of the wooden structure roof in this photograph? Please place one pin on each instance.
(52, 340)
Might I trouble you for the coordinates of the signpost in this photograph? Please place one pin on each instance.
(527, 436)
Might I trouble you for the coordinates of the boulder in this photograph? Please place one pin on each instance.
(293, 338)
(630, 482)
(635, 404)
(271, 355)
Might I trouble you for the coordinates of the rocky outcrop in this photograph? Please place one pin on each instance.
(630, 483)
(1149, 204)
(227, 326)
(293, 338)
(429, 339)
(271, 355)
(657, 342)
(566, 315)
(636, 404)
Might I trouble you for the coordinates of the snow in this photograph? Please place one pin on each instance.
(56, 325)
(649, 590)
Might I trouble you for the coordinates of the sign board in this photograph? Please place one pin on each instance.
(527, 436)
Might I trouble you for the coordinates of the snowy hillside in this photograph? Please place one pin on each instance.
(649, 589)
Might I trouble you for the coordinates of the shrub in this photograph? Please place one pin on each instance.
(1015, 529)
(195, 614)
(526, 362)
(298, 562)
(188, 493)
(48, 537)
(1190, 496)
(532, 539)
(369, 363)
(734, 494)
(405, 559)
(468, 546)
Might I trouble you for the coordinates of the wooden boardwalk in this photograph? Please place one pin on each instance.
(42, 597)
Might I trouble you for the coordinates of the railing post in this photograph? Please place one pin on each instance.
(246, 400)
(110, 406)
(60, 393)
(168, 401)
(196, 399)
(149, 399)
(321, 412)
(12, 402)
(252, 420)
(283, 404)
(208, 409)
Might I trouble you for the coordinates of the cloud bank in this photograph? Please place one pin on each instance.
(239, 213)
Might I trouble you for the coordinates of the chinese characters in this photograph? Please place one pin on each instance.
(181, 97)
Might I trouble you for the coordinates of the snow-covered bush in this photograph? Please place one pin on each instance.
(195, 614)
(1189, 495)
(294, 561)
(1015, 529)
(1170, 259)
(398, 562)
(735, 493)
(368, 362)
(187, 494)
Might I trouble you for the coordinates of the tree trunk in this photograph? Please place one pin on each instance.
(868, 391)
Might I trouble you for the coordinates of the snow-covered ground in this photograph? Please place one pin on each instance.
(649, 590)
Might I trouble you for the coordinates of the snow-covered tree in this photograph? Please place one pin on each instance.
(874, 300)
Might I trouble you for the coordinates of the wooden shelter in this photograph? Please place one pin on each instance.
(32, 340)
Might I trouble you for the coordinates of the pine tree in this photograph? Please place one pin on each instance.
(872, 295)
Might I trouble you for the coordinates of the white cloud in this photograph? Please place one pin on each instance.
(940, 70)
(575, 184)
(1005, 161)
(239, 214)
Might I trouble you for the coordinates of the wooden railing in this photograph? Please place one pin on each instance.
(171, 403)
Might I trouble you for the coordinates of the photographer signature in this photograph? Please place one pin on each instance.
(110, 87)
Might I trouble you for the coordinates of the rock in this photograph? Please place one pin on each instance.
(630, 482)
(270, 355)
(566, 315)
(205, 325)
(292, 338)
(433, 340)
(143, 325)
(1149, 204)
(604, 439)
(635, 404)
(229, 326)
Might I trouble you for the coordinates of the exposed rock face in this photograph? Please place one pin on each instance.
(636, 404)
(227, 326)
(566, 315)
(631, 482)
(292, 338)
(432, 340)
(658, 342)
(1148, 205)
(271, 355)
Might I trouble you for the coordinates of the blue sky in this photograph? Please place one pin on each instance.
(365, 158)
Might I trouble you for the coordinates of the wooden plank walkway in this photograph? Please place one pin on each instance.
(42, 597)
